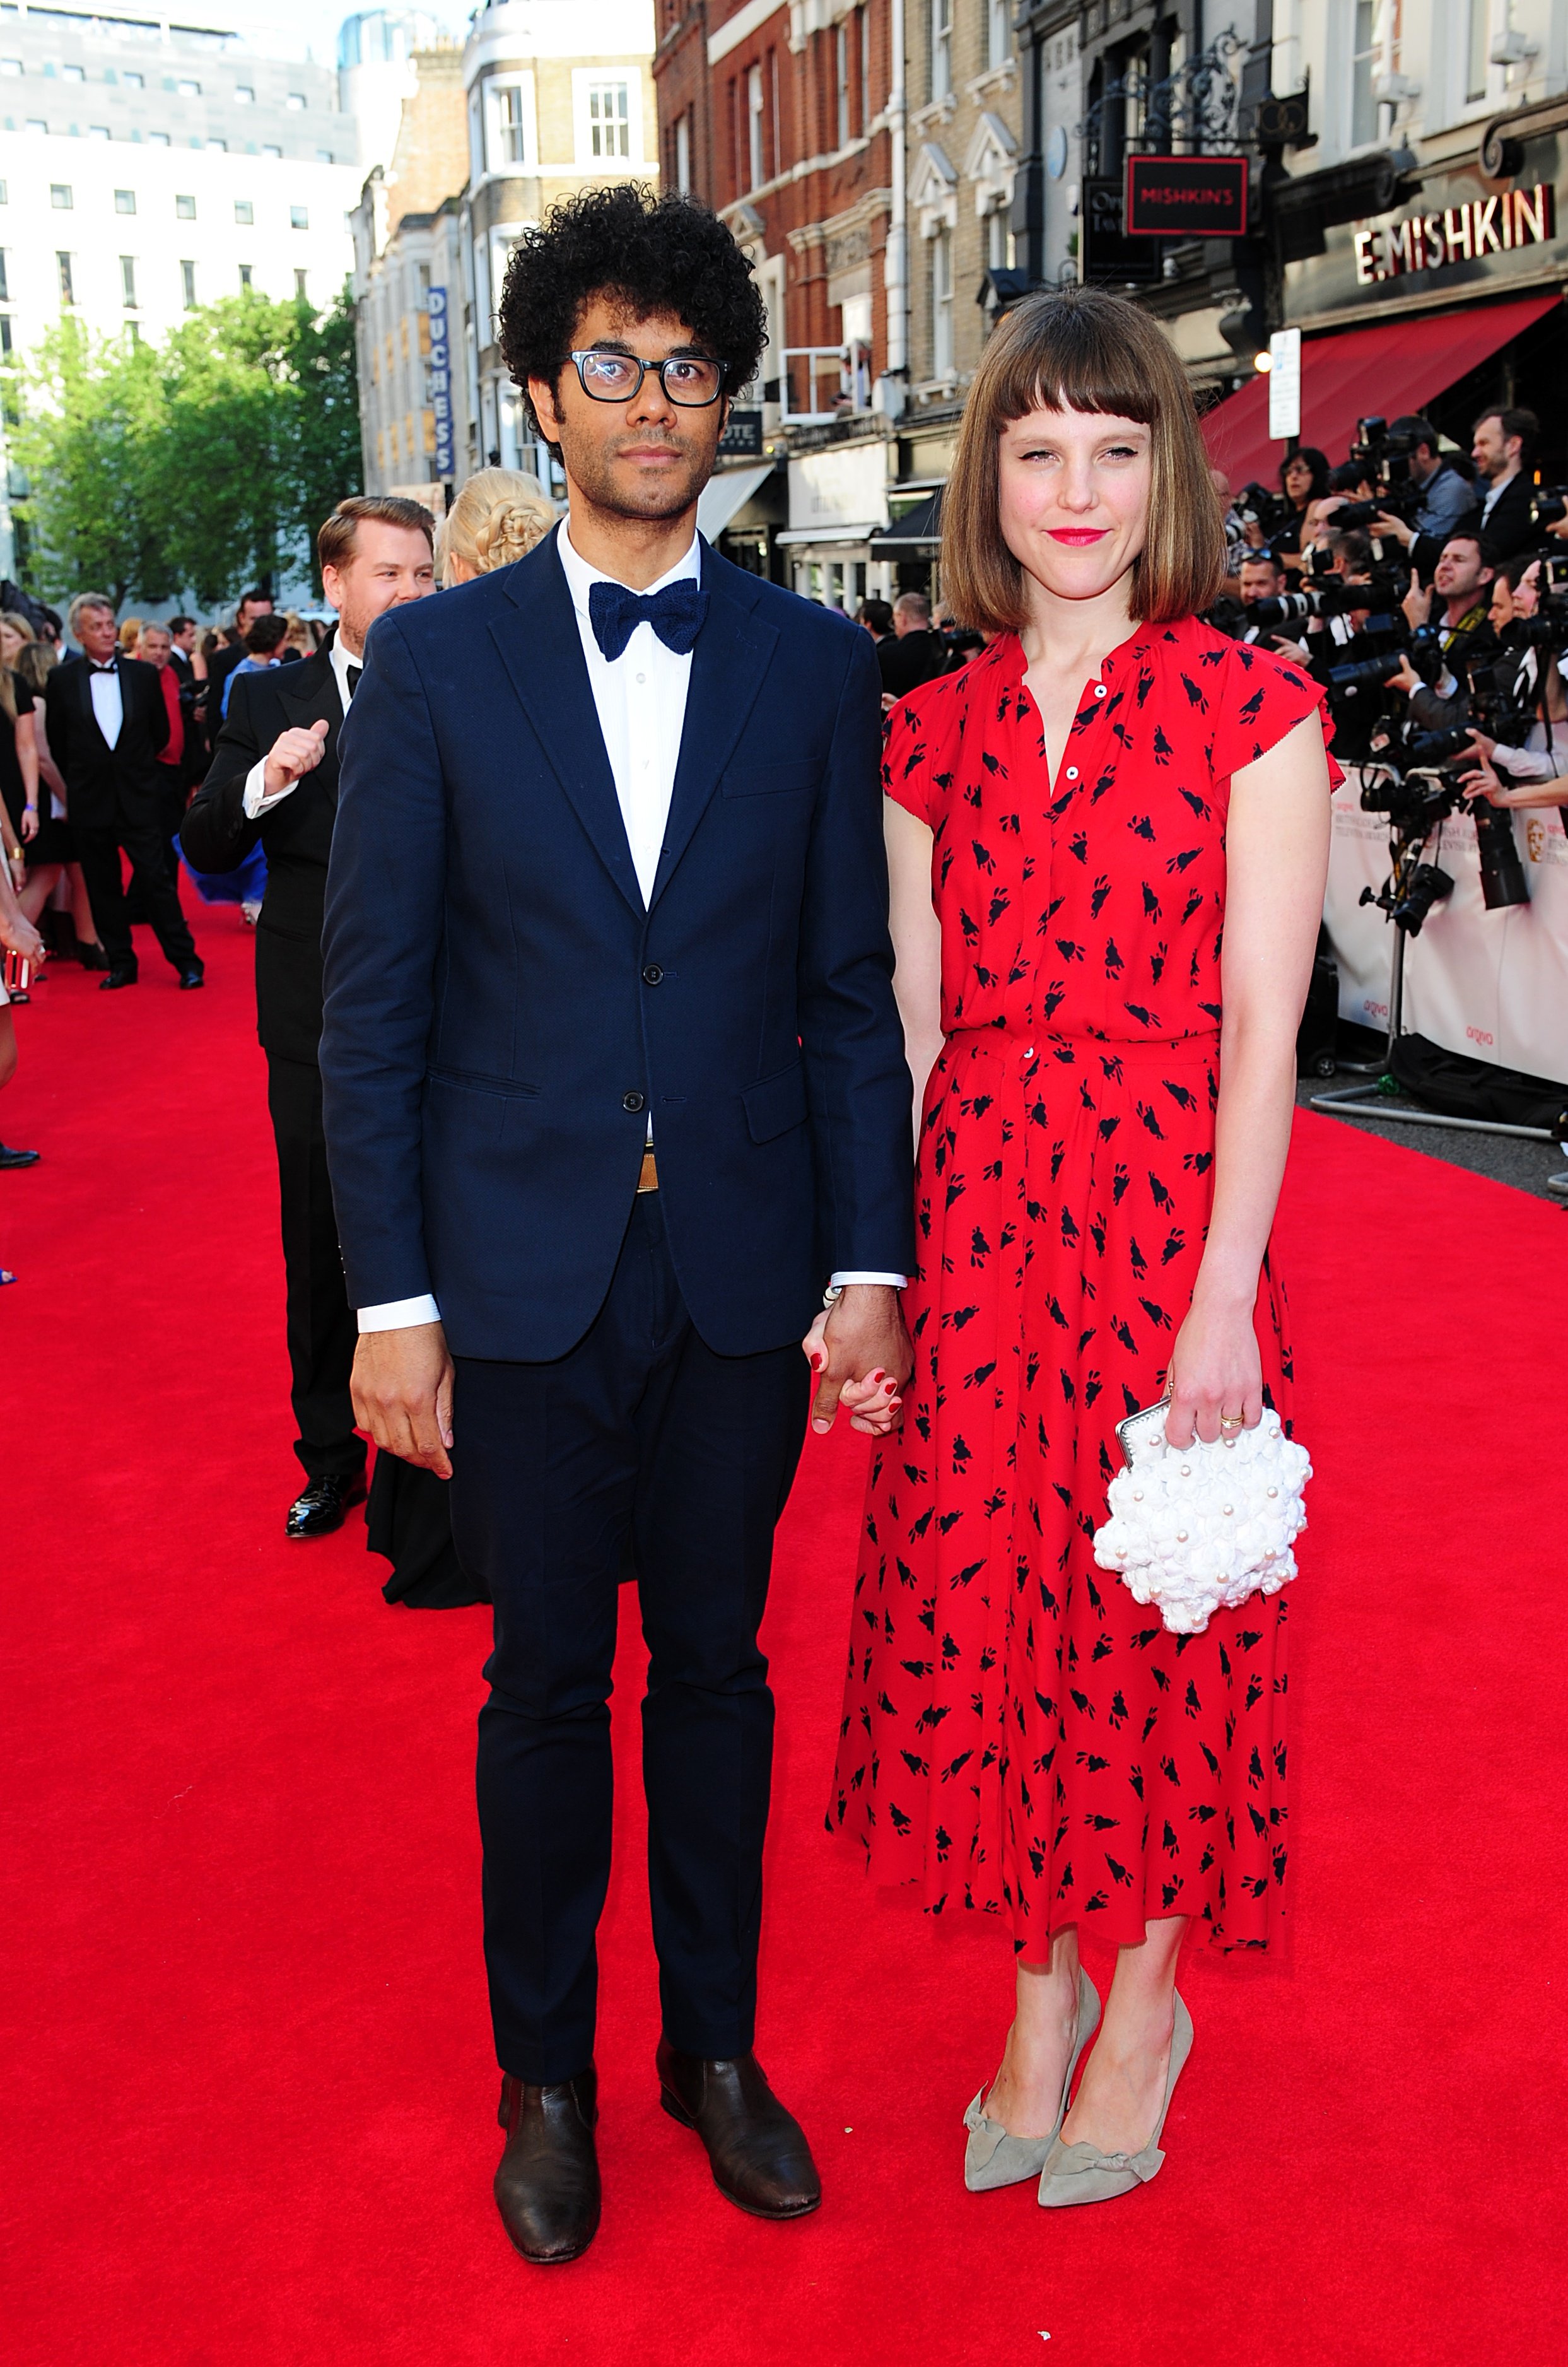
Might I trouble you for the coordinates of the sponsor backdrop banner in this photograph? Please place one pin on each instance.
(1492, 984)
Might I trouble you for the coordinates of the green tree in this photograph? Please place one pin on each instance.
(84, 426)
(204, 464)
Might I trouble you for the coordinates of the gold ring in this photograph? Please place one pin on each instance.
(1232, 1421)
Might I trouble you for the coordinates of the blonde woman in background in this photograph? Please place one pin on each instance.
(130, 636)
(497, 517)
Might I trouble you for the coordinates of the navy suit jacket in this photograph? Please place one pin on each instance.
(502, 1013)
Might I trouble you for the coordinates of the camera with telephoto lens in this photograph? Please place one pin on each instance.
(1256, 505)
(1549, 507)
(1423, 782)
(1384, 461)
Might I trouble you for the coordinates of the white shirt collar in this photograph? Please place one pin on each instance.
(340, 661)
(580, 578)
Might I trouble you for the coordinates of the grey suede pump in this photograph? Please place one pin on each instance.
(1081, 2173)
(993, 2157)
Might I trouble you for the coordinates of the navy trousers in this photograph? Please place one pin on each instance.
(641, 1435)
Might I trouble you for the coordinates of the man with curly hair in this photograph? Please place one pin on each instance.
(614, 1085)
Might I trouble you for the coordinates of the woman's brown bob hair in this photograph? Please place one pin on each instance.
(1079, 349)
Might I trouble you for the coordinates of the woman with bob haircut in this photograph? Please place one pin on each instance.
(1072, 821)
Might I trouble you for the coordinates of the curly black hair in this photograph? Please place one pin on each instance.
(655, 253)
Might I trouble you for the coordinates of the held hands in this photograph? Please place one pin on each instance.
(401, 1387)
(292, 755)
(861, 1355)
(1215, 1370)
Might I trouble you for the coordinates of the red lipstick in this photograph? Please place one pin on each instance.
(1075, 536)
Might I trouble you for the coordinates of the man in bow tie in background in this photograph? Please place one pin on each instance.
(274, 783)
(615, 1086)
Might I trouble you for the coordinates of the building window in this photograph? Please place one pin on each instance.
(1000, 242)
(187, 90)
(295, 102)
(125, 201)
(683, 151)
(67, 291)
(245, 270)
(185, 209)
(941, 305)
(35, 123)
(244, 212)
(131, 81)
(60, 196)
(5, 288)
(866, 110)
(218, 147)
(187, 284)
(842, 80)
(97, 132)
(269, 151)
(942, 47)
(323, 156)
(73, 73)
(5, 333)
(127, 280)
(10, 65)
(609, 119)
(1476, 50)
(245, 97)
(1363, 66)
(157, 139)
(756, 163)
(999, 32)
(298, 217)
(301, 292)
(511, 127)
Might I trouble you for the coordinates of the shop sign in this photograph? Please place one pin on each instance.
(1186, 197)
(1459, 234)
(847, 486)
(1108, 256)
(743, 433)
(441, 384)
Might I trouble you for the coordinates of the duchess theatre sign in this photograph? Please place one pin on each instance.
(1459, 234)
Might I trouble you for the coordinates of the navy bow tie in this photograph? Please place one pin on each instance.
(676, 615)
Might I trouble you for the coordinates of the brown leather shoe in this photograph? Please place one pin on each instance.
(760, 2159)
(547, 2183)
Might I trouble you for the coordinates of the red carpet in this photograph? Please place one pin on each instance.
(248, 2094)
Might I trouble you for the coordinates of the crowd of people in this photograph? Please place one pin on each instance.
(108, 730)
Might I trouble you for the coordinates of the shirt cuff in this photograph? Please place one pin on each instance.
(258, 800)
(400, 1314)
(891, 1281)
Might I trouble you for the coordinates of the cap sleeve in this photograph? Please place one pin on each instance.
(908, 774)
(1263, 697)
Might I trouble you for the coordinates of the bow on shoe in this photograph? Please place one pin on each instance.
(677, 615)
(1089, 2159)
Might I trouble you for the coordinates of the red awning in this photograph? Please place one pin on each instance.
(1395, 368)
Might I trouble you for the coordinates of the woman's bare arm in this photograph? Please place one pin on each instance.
(1277, 864)
(917, 942)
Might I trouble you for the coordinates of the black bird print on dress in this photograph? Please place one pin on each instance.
(1019, 1737)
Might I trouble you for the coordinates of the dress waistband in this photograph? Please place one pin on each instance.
(1136, 1051)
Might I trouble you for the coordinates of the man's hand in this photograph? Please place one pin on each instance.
(861, 1355)
(1417, 605)
(291, 756)
(401, 1386)
(1393, 529)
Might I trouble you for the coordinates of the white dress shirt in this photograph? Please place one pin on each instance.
(640, 700)
(259, 799)
(108, 706)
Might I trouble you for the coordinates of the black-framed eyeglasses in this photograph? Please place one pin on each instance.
(690, 380)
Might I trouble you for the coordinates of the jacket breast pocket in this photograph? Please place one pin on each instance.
(797, 778)
(775, 1104)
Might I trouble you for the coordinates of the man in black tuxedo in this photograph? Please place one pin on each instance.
(107, 723)
(274, 782)
(614, 1084)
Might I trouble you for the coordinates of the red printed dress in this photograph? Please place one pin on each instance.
(1018, 1734)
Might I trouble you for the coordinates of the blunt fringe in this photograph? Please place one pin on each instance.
(1080, 349)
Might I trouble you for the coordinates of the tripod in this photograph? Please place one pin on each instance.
(1371, 1100)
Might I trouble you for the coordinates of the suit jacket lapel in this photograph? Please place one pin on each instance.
(728, 661)
(315, 699)
(542, 650)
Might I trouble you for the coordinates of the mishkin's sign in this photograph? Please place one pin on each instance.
(1185, 196)
(1459, 234)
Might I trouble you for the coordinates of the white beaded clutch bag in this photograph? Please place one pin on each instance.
(1197, 1529)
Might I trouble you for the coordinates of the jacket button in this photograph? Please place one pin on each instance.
(634, 1101)
(652, 974)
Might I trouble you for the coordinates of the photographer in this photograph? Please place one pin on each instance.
(1528, 773)
(1262, 577)
(1445, 498)
(1462, 583)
